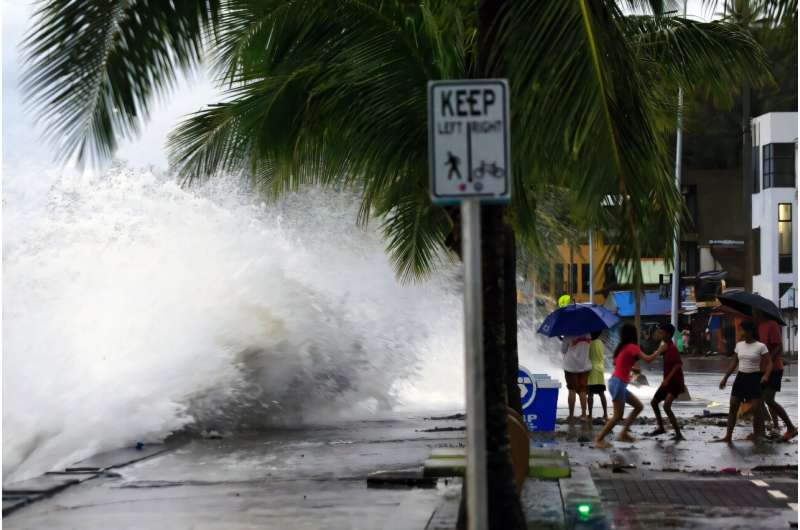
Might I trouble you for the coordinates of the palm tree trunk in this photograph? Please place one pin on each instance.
(637, 293)
(505, 510)
(499, 321)
(510, 317)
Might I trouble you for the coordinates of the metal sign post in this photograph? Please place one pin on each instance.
(477, 509)
(470, 159)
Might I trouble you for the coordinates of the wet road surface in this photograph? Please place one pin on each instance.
(316, 477)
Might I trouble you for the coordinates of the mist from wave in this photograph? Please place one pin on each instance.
(134, 308)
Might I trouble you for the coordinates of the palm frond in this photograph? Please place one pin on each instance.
(717, 55)
(93, 66)
(332, 93)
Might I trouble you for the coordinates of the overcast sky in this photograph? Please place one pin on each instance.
(21, 139)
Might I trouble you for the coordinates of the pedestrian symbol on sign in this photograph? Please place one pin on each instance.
(453, 161)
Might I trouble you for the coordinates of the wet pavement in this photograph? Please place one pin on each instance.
(316, 477)
(305, 478)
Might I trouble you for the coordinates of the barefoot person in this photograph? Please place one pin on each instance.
(597, 381)
(575, 351)
(769, 334)
(625, 356)
(747, 387)
(672, 385)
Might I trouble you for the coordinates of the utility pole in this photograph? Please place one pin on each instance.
(591, 269)
(676, 248)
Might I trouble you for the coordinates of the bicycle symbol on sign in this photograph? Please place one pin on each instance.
(489, 169)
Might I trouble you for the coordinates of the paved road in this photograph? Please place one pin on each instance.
(290, 479)
(315, 478)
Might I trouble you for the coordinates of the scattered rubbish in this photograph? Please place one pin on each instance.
(442, 429)
(459, 416)
(776, 469)
(617, 467)
(211, 434)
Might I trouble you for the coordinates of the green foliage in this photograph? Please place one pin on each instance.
(94, 66)
(713, 119)
(334, 93)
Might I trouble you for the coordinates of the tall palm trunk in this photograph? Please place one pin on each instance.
(510, 317)
(505, 510)
(498, 263)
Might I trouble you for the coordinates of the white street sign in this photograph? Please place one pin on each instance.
(469, 149)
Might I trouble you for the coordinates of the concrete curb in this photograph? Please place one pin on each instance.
(583, 506)
(19, 494)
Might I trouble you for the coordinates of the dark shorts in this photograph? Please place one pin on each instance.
(663, 391)
(597, 389)
(747, 386)
(775, 380)
(577, 381)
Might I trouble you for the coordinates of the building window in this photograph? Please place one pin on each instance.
(544, 275)
(756, 242)
(690, 199)
(756, 167)
(778, 165)
(782, 288)
(559, 280)
(691, 264)
(585, 279)
(609, 275)
(785, 237)
(573, 278)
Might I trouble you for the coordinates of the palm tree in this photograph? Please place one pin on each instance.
(334, 92)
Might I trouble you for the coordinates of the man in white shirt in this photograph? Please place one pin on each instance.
(577, 366)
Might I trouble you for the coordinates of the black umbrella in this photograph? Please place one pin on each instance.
(745, 302)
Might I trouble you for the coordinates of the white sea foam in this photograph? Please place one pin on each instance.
(133, 308)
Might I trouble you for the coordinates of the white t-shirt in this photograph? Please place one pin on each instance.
(750, 356)
(576, 354)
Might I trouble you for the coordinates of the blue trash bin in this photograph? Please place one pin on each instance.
(539, 400)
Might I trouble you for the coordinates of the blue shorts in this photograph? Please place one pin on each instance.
(618, 389)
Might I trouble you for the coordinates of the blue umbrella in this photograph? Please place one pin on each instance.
(577, 320)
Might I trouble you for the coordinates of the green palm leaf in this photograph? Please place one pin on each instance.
(95, 65)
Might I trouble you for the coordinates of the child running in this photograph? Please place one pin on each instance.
(672, 385)
(625, 356)
(750, 380)
(597, 381)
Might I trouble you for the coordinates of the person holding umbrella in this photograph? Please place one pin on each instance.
(747, 386)
(769, 334)
(767, 317)
(573, 323)
(577, 366)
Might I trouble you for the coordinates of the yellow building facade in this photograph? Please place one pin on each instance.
(569, 272)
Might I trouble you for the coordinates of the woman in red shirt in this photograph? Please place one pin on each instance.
(625, 356)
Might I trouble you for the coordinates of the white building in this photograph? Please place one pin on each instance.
(774, 203)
